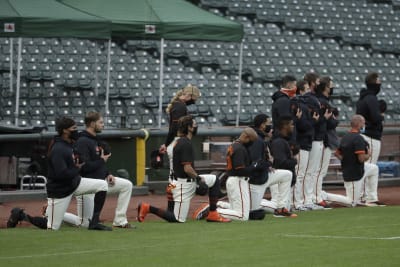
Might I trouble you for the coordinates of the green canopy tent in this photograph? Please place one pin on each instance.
(45, 18)
(159, 20)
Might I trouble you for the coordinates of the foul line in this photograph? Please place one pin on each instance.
(342, 237)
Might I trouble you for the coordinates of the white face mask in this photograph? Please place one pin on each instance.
(362, 130)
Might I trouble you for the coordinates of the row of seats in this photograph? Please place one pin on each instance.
(56, 72)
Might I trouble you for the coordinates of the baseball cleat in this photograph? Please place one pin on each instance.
(125, 226)
(143, 209)
(201, 212)
(283, 212)
(17, 215)
(375, 204)
(325, 205)
(214, 216)
(99, 227)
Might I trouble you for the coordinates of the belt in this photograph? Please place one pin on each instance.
(182, 180)
(241, 177)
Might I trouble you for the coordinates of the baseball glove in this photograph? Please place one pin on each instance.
(201, 187)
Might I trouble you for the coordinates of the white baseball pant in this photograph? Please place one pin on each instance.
(312, 171)
(238, 207)
(279, 178)
(183, 191)
(375, 146)
(85, 205)
(299, 188)
(56, 207)
(353, 189)
(322, 171)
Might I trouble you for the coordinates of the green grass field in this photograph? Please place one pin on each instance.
(338, 237)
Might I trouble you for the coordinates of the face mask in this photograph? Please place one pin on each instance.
(190, 102)
(289, 92)
(248, 144)
(376, 87)
(74, 135)
(194, 132)
(268, 128)
(331, 91)
(362, 130)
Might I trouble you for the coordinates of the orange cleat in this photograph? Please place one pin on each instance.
(214, 216)
(143, 209)
(201, 212)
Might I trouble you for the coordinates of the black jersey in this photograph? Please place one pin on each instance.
(351, 145)
(183, 154)
(89, 149)
(63, 176)
(238, 158)
(178, 110)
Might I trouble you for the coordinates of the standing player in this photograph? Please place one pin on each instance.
(259, 181)
(354, 153)
(185, 180)
(323, 91)
(93, 151)
(304, 139)
(64, 182)
(368, 106)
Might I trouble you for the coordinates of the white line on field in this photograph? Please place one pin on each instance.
(341, 237)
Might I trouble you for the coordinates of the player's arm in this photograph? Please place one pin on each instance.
(85, 152)
(58, 160)
(189, 170)
(338, 154)
(374, 112)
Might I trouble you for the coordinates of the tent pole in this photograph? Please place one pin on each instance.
(239, 83)
(161, 82)
(96, 72)
(11, 63)
(18, 81)
(108, 79)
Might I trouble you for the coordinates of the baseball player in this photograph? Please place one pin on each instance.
(354, 152)
(176, 109)
(304, 138)
(240, 168)
(185, 180)
(64, 182)
(95, 153)
(331, 141)
(317, 146)
(259, 181)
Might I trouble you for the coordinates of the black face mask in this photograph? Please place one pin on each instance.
(194, 132)
(74, 135)
(331, 91)
(190, 102)
(375, 87)
(267, 128)
(248, 144)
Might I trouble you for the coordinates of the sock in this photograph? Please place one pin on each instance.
(164, 214)
(99, 199)
(213, 195)
(40, 222)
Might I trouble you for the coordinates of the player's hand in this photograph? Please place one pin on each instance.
(327, 114)
(104, 157)
(110, 179)
(299, 113)
(271, 170)
(162, 149)
(315, 116)
(79, 165)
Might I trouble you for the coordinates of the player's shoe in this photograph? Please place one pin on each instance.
(375, 204)
(125, 226)
(17, 215)
(325, 205)
(283, 212)
(143, 209)
(214, 216)
(301, 208)
(201, 212)
(314, 207)
(99, 227)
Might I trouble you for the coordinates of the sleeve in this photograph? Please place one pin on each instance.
(304, 123)
(284, 107)
(59, 160)
(187, 154)
(85, 152)
(332, 124)
(360, 146)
